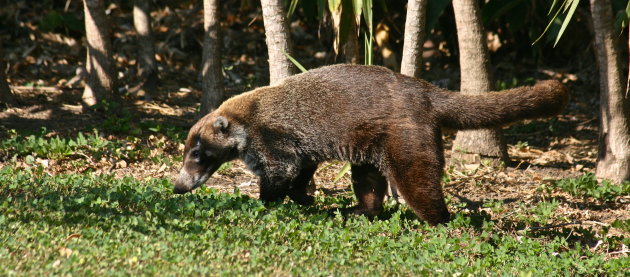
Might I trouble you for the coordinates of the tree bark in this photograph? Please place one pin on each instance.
(351, 49)
(99, 65)
(211, 68)
(411, 64)
(6, 96)
(473, 145)
(147, 65)
(278, 40)
(613, 159)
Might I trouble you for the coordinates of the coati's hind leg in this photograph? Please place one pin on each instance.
(370, 187)
(298, 191)
(415, 167)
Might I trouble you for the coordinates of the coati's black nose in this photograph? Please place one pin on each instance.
(179, 190)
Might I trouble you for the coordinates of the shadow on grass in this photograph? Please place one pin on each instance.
(107, 208)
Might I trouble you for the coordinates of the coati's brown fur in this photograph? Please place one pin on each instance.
(387, 125)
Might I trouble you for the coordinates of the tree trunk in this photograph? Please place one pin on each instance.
(351, 50)
(147, 66)
(99, 64)
(211, 68)
(411, 64)
(473, 145)
(6, 97)
(278, 40)
(613, 159)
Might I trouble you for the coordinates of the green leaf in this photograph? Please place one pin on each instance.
(574, 6)
(343, 171)
(292, 7)
(294, 61)
(548, 25)
(553, 5)
(357, 9)
(30, 159)
(369, 59)
(334, 5)
(367, 14)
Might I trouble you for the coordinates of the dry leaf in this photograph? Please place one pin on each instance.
(65, 252)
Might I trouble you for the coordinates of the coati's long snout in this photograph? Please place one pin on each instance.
(211, 142)
(197, 168)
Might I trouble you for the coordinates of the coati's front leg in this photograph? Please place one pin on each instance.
(370, 187)
(279, 181)
(298, 190)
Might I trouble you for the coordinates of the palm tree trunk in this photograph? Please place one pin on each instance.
(613, 159)
(211, 68)
(471, 146)
(411, 64)
(278, 40)
(147, 66)
(99, 65)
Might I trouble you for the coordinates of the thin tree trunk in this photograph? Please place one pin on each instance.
(471, 146)
(278, 40)
(147, 65)
(351, 50)
(211, 68)
(6, 97)
(613, 159)
(99, 64)
(411, 64)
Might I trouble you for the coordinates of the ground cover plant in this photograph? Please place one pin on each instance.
(99, 224)
(56, 220)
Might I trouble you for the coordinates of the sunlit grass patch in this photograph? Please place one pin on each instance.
(89, 224)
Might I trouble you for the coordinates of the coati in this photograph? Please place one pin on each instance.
(387, 125)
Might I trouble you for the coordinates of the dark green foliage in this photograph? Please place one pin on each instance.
(61, 22)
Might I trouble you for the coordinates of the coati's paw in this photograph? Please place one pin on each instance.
(303, 199)
(357, 210)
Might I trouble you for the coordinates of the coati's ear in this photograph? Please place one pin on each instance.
(220, 124)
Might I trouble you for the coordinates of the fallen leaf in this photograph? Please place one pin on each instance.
(73, 236)
(65, 252)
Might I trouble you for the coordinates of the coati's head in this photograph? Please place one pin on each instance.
(212, 141)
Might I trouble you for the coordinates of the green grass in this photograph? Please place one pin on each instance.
(99, 225)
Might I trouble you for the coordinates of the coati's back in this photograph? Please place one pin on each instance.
(340, 100)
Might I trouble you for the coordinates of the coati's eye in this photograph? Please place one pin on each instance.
(195, 154)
